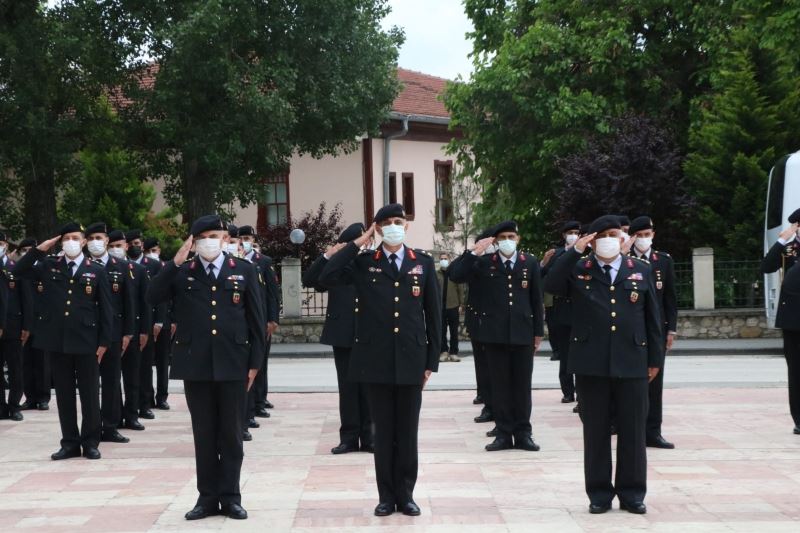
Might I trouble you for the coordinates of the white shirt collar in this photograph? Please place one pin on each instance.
(615, 264)
(104, 258)
(78, 260)
(401, 253)
(249, 255)
(217, 263)
(513, 258)
(645, 254)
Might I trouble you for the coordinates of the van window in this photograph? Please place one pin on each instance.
(775, 200)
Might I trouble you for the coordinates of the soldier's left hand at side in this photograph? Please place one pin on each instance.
(126, 340)
(426, 377)
(537, 342)
(101, 351)
(24, 336)
(251, 377)
(651, 374)
(670, 340)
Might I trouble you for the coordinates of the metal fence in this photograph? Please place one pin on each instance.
(313, 303)
(684, 284)
(738, 284)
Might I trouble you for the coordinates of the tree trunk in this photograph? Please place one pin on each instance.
(198, 191)
(40, 205)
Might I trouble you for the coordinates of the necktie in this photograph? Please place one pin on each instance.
(211, 275)
(70, 266)
(393, 262)
(607, 269)
(509, 268)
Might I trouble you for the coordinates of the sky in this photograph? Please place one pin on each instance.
(435, 36)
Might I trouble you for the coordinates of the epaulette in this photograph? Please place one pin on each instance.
(423, 252)
(366, 251)
(645, 261)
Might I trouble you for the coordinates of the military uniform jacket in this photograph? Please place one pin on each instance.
(616, 328)
(788, 315)
(780, 257)
(144, 311)
(511, 311)
(268, 281)
(220, 323)
(19, 301)
(340, 323)
(159, 314)
(123, 297)
(663, 268)
(472, 306)
(561, 310)
(398, 318)
(74, 314)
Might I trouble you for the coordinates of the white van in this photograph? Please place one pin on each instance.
(783, 197)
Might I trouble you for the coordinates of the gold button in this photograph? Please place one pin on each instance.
(213, 317)
(613, 328)
(356, 300)
(510, 303)
(396, 299)
(213, 332)
(613, 313)
(509, 277)
(214, 288)
(396, 283)
(575, 338)
(510, 286)
(72, 281)
(396, 314)
(612, 287)
(68, 302)
(397, 330)
(213, 302)
(510, 294)
(587, 286)
(69, 291)
(66, 313)
(613, 301)
(356, 309)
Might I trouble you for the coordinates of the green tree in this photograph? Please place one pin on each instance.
(238, 86)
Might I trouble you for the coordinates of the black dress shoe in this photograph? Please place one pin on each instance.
(65, 454)
(91, 453)
(199, 512)
(411, 509)
(247, 436)
(43, 406)
(369, 448)
(135, 425)
(147, 414)
(499, 444)
(114, 436)
(27, 406)
(796, 430)
(262, 412)
(492, 432)
(577, 408)
(568, 398)
(268, 405)
(659, 442)
(635, 508)
(526, 443)
(613, 429)
(599, 509)
(235, 511)
(344, 448)
(384, 509)
(163, 405)
(484, 417)
(555, 357)
(16, 416)
(477, 400)
(252, 424)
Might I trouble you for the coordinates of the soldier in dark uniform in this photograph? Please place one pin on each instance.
(511, 326)
(131, 372)
(74, 325)
(269, 282)
(339, 331)
(159, 319)
(663, 268)
(18, 315)
(123, 303)
(783, 254)
(218, 349)
(151, 248)
(398, 331)
(560, 314)
(36, 364)
(617, 345)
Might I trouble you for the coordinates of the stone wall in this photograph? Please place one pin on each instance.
(715, 324)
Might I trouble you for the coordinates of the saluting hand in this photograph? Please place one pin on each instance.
(482, 245)
(583, 242)
(627, 245)
(101, 351)
(49, 243)
(335, 248)
(652, 373)
(251, 377)
(183, 251)
(366, 236)
(789, 232)
(548, 255)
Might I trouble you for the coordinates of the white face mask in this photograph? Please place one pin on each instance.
(96, 247)
(444, 263)
(232, 248)
(394, 234)
(607, 247)
(2, 251)
(118, 253)
(507, 247)
(571, 239)
(209, 249)
(643, 244)
(154, 256)
(71, 248)
(248, 247)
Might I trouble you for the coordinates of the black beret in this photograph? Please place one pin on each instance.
(639, 224)
(116, 235)
(97, 227)
(233, 231)
(794, 217)
(570, 225)
(389, 211)
(585, 229)
(133, 234)
(624, 220)
(508, 225)
(485, 234)
(150, 242)
(351, 232)
(28, 241)
(604, 223)
(247, 230)
(207, 223)
(70, 227)
(3, 236)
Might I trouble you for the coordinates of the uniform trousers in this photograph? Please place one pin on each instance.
(356, 424)
(36, 374)
(69, 368)
(146, 392)
(163, 350)
(395, 412)
(482, 377)
(559, 340)
(510, 371)
(110, 395)
(450, 319)
(11, 354)
(260, 386)
(131, 380)
(629, 397)
(791, 350)
(216, 409)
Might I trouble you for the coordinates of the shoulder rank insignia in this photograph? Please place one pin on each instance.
(231, 262)
(522, 257)
(588, 264)
(377, 255)
(654, 257)
(630, 263)
(411, 254)
(192, 264)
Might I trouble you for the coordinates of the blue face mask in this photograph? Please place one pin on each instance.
(247, 246)
(393, 234)
(507, 247)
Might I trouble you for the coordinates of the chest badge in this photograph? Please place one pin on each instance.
(416, 291)
(524, 283)
(88, 289)
(236, 298)
(115, 287)
(659, 285)
(634, 297)
(12, 284)
(40, 287)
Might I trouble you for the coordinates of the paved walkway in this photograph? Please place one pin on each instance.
(736, 468)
